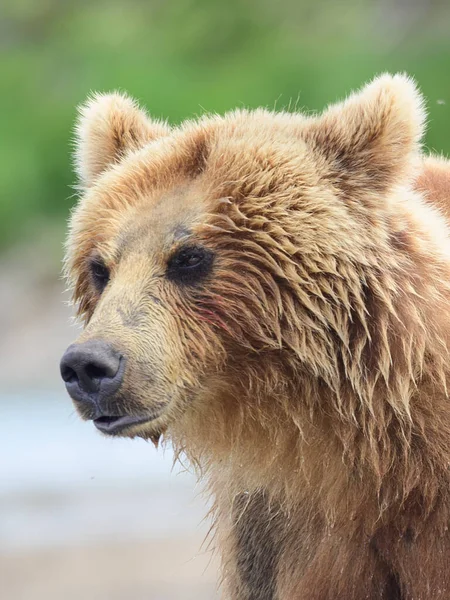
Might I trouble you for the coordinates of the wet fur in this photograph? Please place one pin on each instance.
(307, 376)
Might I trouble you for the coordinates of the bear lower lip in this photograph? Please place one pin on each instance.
(115, 425)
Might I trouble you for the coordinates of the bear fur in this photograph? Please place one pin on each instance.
(305, 374)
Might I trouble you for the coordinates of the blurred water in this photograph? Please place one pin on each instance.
(61, 482)
(45, 445)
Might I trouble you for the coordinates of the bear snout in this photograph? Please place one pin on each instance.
(93, 371)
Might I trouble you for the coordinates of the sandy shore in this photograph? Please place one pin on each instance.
(166, 569)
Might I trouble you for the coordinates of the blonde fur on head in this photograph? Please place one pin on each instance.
(375, 131)
(306, 372)
(109, 125)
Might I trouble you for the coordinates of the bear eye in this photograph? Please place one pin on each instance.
(189, 264)
(100, 273)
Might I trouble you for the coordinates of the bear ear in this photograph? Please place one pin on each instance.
(369, 140)
(108, 126)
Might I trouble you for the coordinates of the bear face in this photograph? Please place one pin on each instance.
(232, 252)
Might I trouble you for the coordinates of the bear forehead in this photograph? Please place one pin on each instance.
(175, 183)
(162, 221)
(222, 151)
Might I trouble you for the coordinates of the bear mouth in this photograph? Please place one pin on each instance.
(113, 425)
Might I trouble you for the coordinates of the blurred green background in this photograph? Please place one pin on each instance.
(182, 58)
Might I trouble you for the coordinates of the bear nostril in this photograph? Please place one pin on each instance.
(95, 372)
(68, 374)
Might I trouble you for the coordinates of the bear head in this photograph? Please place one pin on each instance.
(216, 262)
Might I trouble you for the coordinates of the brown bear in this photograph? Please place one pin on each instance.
(271, 292)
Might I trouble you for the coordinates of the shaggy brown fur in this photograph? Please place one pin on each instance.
(306, 377)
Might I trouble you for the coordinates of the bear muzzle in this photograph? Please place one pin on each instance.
(93, 372)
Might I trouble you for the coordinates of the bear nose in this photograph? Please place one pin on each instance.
(91, 369)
